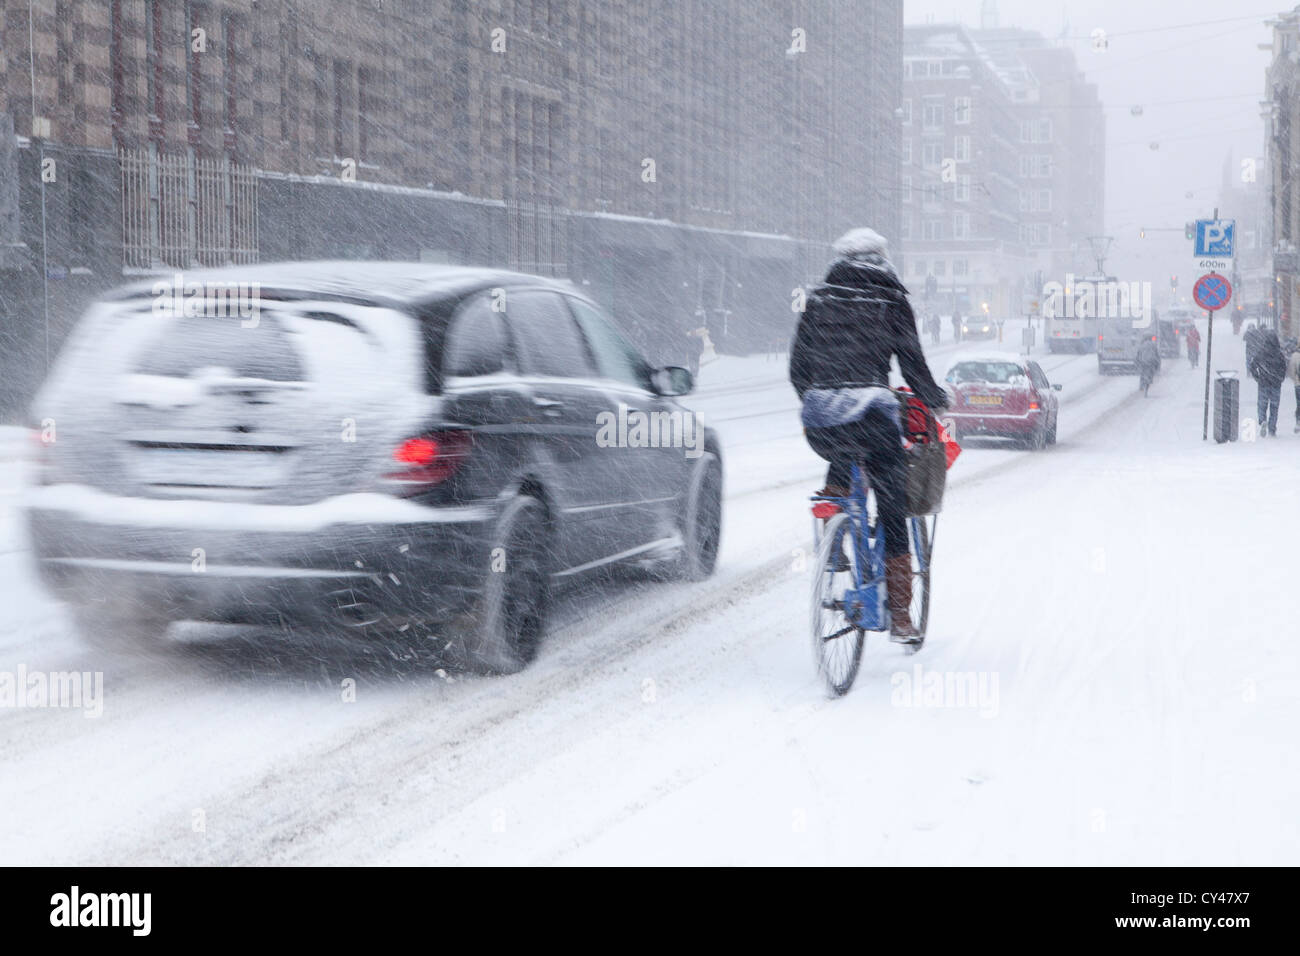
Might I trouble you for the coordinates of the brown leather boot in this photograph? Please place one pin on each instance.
(898, 582)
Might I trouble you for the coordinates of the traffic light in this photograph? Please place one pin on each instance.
(1173, 282)
(1189, 230)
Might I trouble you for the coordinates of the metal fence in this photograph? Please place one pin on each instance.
(184, 210)
(537, 240)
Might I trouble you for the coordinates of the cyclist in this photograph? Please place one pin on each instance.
(855, 322)
(1148, 363)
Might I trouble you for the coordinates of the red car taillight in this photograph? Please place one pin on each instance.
(428, 460)
(825, 509)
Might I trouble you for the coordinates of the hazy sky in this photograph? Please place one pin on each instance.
(1199, 85)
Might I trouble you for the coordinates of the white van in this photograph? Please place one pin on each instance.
(1118, 341)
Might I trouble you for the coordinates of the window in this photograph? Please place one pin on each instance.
(961, 110)
(940, 267)
(1043, 131)
(615, 358)
(931, 230)
(1040, 166)
(1036, 376)
(905, 227)
(907, 189)
(961, 225)
(932, 118)
(548, 340)
(1044, 200)
(961, 149)
(959, 267)
(991, 373)
(907, 112)
(476, 342)
(907, 151)
(931, 154)
(961, 189)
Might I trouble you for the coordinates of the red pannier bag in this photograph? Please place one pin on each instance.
(930, 451)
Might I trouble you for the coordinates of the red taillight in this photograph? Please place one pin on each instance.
(1033, 406)
(417, 451)
(825, 509)
(429, 459)
(1101, 338)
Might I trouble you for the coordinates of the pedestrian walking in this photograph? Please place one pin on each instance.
(1268, 368)
(1293, 373)
(1193, 346)
(1148, 363)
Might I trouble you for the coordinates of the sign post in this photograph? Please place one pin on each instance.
(1211, 292)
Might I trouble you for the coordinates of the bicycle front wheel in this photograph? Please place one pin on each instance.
(921, 550)
(837, 641)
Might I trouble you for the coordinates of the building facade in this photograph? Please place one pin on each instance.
(1003, 166)
(689, 161)
(1281, 111)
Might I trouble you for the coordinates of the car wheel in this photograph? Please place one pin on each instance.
(701, 525)
(1051, 432)
(120, 633)
(1037, 440)
(512, 613)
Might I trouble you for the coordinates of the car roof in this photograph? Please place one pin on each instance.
(379, 283)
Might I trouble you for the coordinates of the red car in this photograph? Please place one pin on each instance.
(1004, 396)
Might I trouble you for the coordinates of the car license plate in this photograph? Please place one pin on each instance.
(984, 400)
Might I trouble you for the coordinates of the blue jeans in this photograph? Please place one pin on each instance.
(1270, 395)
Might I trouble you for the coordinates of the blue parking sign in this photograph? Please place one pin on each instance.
(1214, 238)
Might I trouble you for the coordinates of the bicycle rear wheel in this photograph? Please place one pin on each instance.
(837, 642)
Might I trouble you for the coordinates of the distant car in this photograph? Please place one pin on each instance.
(387, 444)
(1183, 320)
(978, 327)
(1118, 341)
(1003, 396)
(1167, 338)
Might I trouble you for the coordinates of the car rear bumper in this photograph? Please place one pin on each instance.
(353, 558)
(985, 423)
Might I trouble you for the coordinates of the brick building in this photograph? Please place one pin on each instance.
(688, 160)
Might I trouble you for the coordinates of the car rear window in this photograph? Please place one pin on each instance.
(987, 373)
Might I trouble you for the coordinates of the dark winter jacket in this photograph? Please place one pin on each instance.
(1252, 340)
(1148, 357)
(853, 324)
(1269, 362)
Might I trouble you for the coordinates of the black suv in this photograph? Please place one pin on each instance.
(370, 442)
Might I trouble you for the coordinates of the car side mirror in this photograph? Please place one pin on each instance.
(672, 380)
(1056, 388)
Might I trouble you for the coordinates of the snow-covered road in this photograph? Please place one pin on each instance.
(1122, 600)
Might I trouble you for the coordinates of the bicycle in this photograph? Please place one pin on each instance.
(849, 595)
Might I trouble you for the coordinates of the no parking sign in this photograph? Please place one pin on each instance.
(1212, 292)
